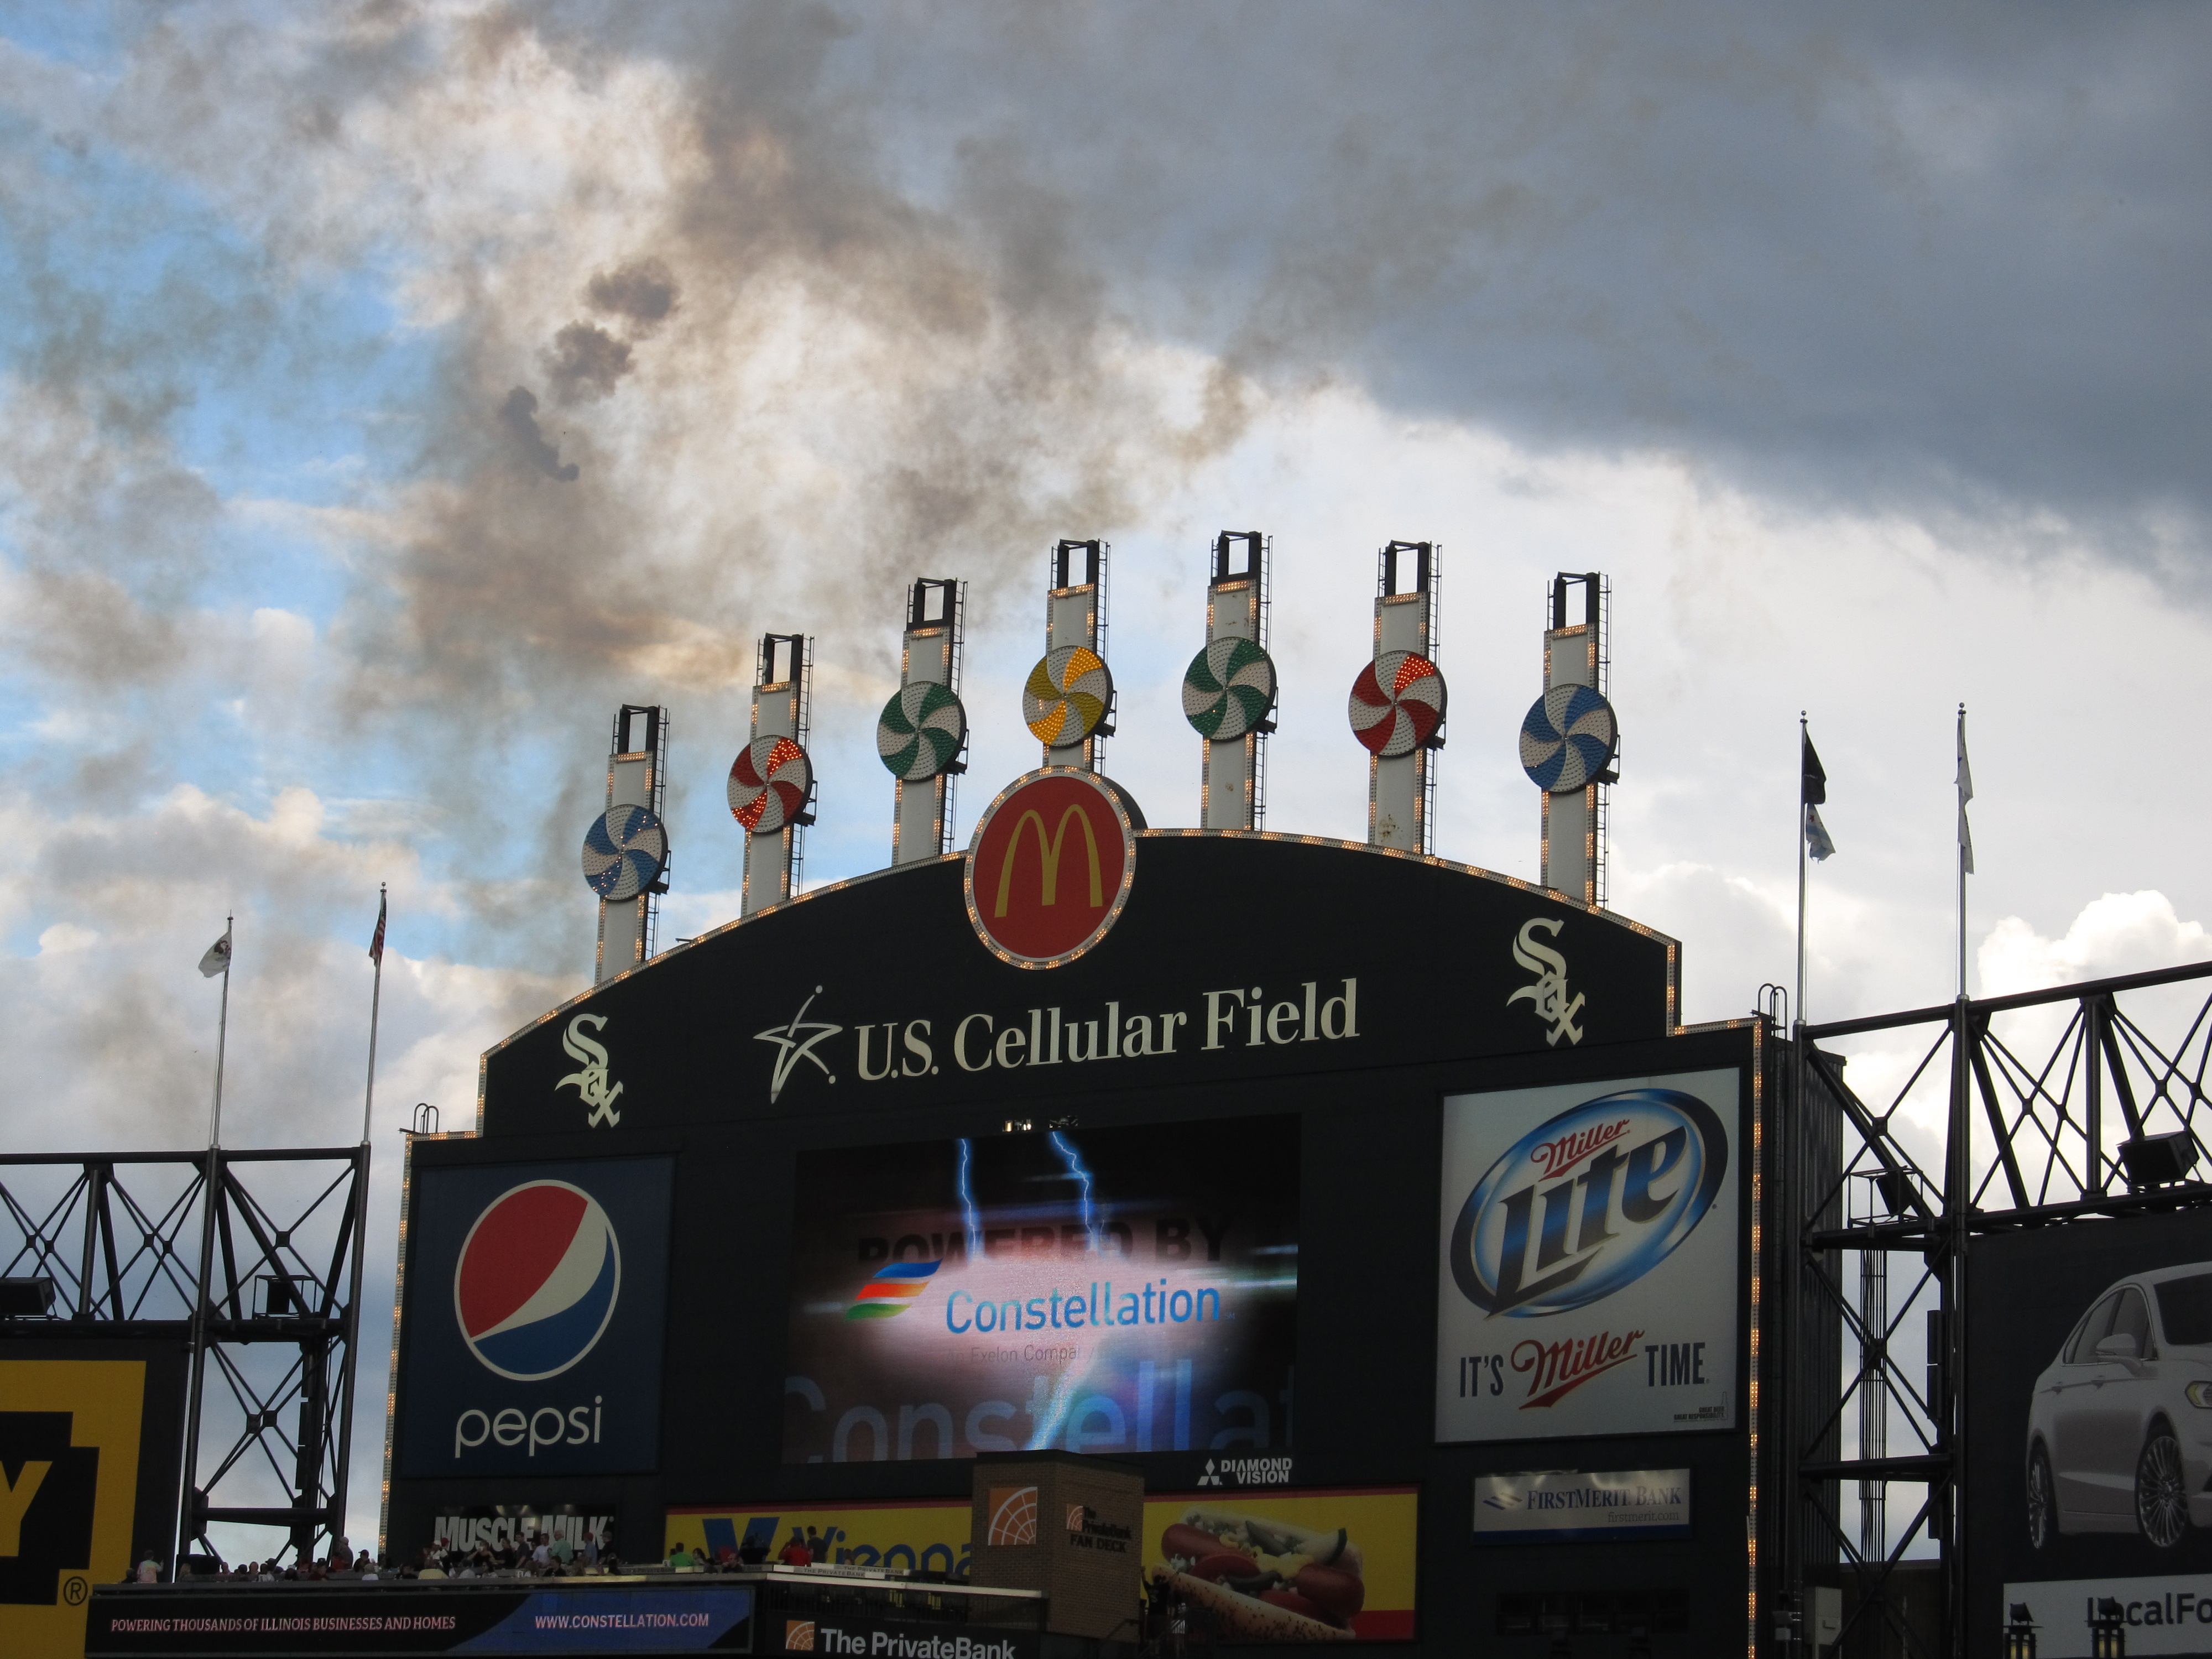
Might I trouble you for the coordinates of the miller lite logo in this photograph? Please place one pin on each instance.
(1050, 866)
(1588, 1202)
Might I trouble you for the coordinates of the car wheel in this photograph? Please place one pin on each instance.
(2161, 1496)
(2042, 1502)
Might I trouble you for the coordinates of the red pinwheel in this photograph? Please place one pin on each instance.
(770, 784)
(1397, 703)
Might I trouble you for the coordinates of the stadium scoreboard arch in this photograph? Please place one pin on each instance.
(807, 1213)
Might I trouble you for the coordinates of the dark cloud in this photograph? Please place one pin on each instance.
(644, 290)
(520, 415)
(1874, 261)
(585, 361)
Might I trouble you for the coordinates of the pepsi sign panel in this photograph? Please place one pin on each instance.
(535, 1298)
(1590, 1238)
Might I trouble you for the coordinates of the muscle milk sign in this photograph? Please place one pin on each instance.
(1590, 1274)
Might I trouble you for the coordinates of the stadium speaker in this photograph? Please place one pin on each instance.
(25, 1298)
(2158, 1160)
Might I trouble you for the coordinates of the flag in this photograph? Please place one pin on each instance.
(1815, 790)
(376, 944)
(217, 959)
(1817, 840)
(1812, 790)
(1965, 794)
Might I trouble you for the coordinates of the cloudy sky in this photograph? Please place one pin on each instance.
(388, 391)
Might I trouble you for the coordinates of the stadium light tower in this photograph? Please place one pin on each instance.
(922, 735)
(1228, 689)
(771, 789)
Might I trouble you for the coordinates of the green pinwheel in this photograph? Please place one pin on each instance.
(1228, 690)
(921, 731)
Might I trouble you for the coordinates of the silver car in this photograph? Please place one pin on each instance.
(2119, 1432)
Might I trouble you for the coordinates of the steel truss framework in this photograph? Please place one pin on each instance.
(263, 1287)
(2032, 1135)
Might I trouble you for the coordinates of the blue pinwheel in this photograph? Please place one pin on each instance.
(624, 852)
(1568, 739)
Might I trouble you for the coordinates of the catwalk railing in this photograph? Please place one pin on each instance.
(2044, 1108)
(262, 1290)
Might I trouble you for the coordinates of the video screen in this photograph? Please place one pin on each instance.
(2089, 1382)
(1126, 1289)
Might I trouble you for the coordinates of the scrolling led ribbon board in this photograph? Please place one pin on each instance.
(1050, 864)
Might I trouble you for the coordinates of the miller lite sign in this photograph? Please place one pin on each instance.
(1591, 1243)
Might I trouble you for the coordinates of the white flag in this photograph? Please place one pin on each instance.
(1817, 839)
(1965, 794)
(217, 959)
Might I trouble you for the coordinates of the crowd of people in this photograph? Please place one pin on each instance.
(534, 1555)
(806, 1548)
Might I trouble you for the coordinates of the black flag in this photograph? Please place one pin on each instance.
(1816, 777)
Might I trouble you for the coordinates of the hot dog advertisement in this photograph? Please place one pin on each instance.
(1124, 1290)
(1295, 1566)
(1591, 1275)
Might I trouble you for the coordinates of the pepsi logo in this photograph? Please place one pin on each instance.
(537, 1279)
(1588, 1202)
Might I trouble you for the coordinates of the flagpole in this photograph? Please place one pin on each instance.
(1803, 738)
(211, 1189)
(352, 1336)
(376, 1006)
(1963, 856)
(221, 1038)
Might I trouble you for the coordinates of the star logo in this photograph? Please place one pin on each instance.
(791, 1046)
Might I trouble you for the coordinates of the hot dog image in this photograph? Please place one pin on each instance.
(1266, 1580)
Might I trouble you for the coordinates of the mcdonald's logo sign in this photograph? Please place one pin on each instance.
(1050, 864)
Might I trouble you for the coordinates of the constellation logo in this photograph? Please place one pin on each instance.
(893, 1290)
(591, 1083)
(1549, 994)
(791, 1046)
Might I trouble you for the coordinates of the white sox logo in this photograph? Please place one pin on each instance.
(591, 1083)
(791, 1047)
(1549, 992)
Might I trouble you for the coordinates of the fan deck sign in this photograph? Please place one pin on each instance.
(1590, 1240)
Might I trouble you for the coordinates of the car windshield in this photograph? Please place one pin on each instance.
(2184, 1308)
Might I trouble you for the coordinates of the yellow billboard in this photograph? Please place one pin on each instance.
(905, 1537)
(68, 1488)
(1333, 1565)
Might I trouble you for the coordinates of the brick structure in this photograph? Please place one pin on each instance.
(1072, 1527)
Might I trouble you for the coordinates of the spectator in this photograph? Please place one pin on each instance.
(794, 1553)
(678, 1556)
(149, 1571)
(591, 1549)
(818, 1551)
(541, 1555)
(753, 1551)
